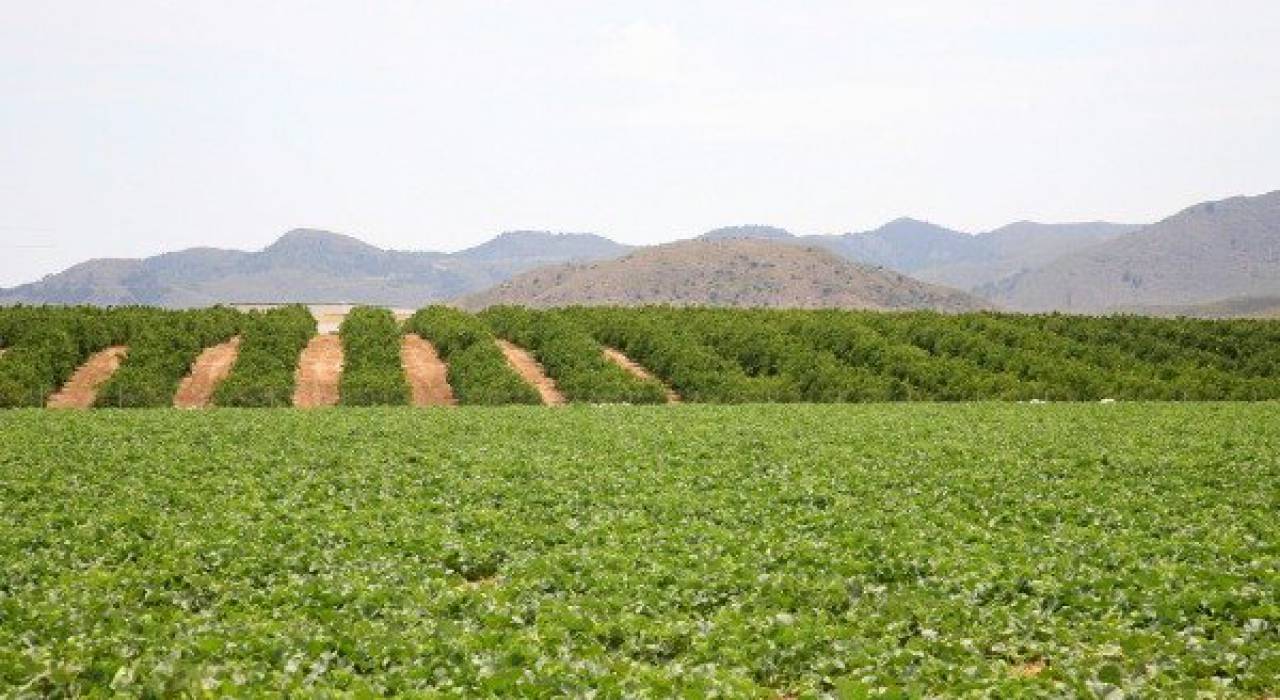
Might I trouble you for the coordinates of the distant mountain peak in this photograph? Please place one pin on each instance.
(907, 226)
(311, 237)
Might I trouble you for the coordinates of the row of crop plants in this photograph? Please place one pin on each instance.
(163, 345)
(271, 341)
(477, 371)
(372, 373)
(44, 346)
(571, 356)
(706, 355)
(727, 355)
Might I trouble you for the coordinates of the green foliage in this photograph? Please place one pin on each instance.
(44, 345)
(706, 355)
(571, 356)
(163, 345)
(372, 373)
(675, 352)
(721, 355)
(271, 342)
(478, 372)
(910, 550)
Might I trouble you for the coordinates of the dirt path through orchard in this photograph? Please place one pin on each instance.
(319, 371)
(528, 368)
(428, 377)
(615, 356)
(213, 365)
(82, 388)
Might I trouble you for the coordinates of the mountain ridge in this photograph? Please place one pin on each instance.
(307, 265)
(1204, 253)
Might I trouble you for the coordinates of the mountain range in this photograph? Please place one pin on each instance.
(1213, 258)
(309, 266)
(1205, 254)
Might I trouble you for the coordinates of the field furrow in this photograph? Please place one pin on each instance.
(528, 368)
(211, 367)
(81, 389)
(319, 373)
(427, 374)
(631, 366)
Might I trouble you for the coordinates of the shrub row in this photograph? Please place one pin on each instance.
(163, 345)
(44, 345)
(758, 344)
(571, 356)
(372, 372)
(478, 372)
(270, 344)
(674, 352)
(927, 377)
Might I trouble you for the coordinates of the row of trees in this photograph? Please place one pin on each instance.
(675, 353)
(163, 345)
(869, 356)
(43, 346)
(372, 373)
(710, 355)
(478, 372)
(571, 356)
(264, 373)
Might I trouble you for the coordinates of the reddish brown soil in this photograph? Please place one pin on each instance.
(82, 388)
(319, 370)
(615, 356)
(428, 377)
(528, 368)
(213, 365)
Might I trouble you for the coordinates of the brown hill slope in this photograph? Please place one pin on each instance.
(740, 273)
(1205, 253)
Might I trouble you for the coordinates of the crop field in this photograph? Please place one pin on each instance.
(140, 357)
(886, 550)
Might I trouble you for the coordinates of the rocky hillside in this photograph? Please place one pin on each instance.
(725, 272)
(310, 266)
(1205, 253)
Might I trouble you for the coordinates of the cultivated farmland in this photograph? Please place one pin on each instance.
(744, 551)
(138, 357)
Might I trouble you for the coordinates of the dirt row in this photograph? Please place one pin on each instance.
(319, 373)
(81, 389)
(615, 356)
(212, 366)
(428, 377)
(531, 371)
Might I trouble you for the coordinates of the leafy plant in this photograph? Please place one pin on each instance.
(478, 372)
(372, 374)
(271, 342)
(571, 356)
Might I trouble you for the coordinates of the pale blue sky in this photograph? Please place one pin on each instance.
(129, 128)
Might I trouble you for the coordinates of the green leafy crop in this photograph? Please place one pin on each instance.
(845, 551)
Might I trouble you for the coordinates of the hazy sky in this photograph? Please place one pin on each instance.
(129, 128)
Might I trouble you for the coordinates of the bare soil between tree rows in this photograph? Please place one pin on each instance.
(319, 372)
(427, 374)
(81, 389)
(615, 356)
(531, 371)
(212, 366)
